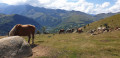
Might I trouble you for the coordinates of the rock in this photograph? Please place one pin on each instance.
(14, 47)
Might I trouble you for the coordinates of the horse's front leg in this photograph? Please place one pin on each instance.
(32, 38)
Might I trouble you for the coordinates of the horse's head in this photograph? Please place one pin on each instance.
(14, 29)
(18, 26)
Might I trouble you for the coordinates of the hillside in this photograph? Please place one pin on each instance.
(8, 21)
(103, 15)
(74, 21)
(112, 22)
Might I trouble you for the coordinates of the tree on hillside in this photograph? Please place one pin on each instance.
(38, 32)
(84, 27)
(106, 25)
(88, 24)
(100, 25)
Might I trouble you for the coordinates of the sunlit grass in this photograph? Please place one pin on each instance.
(83, 45)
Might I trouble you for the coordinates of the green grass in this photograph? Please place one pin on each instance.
(106, 45)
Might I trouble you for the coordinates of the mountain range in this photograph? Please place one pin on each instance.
(53, 18)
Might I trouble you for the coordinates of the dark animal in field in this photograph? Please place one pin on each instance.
(73, 30)
(92, 31)
(69, 30)
(102, 29)
(111, 29)
(117, 28)
(46, 33)
(79, 30)
(106, 30)
(61, 31)
(23, 30)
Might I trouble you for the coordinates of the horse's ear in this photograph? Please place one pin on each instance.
(18, 25)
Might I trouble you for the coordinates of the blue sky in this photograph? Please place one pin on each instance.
(95, 1)
(100, 1)
(112, 2)
(87, 6)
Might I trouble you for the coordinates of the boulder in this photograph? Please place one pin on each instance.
(14, 47)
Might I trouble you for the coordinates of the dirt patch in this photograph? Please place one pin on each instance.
(3, 36)
(104, 40)
(39, 51)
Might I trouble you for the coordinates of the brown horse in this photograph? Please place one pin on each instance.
(79, 30)
(23, 30)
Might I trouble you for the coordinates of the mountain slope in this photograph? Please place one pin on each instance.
(103, 15)
(112, 22)
(8, 21)
(74, 21)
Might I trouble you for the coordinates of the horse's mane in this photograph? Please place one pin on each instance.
(12, 32)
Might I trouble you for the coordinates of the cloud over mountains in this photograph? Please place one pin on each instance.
(78, 5)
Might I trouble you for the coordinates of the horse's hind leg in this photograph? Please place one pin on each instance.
(29, 39)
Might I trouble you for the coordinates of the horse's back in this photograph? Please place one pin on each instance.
(26, 30)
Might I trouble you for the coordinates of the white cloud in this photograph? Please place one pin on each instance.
(13, 2)
(78, 5)
(116, 7)
(105, 4)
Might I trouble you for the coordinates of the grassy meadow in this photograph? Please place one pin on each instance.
(74, 45)
(84, 45)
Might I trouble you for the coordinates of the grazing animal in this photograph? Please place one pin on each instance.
(70, 31)
(73, 30)
(61, 31)
(79, 30)
(107, 30)
(117, 28)
(23, 30)
(101, 29)
(92, 31)
(111, 29)
(46, 32)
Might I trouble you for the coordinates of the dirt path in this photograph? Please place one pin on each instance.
(39, 51)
